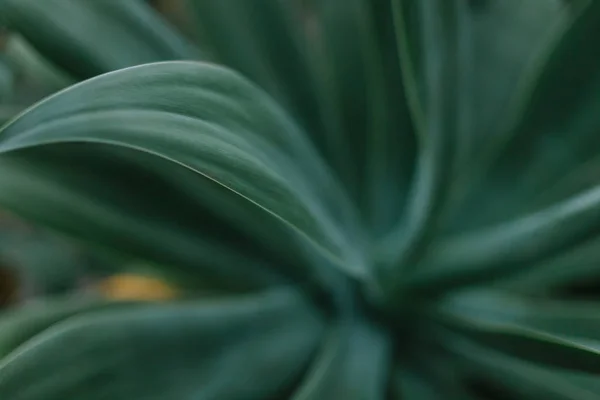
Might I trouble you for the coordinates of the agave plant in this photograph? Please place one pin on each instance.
(354, 199)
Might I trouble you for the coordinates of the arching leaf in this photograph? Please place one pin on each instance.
(100, 36)
(197, 141)
(218, 350)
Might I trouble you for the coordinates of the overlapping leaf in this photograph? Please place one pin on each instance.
(353, 363)
(216, 350)
(436, 107)
(507, 39)
(198, 136)
(557, 119)
(520, 378)
(506, 247)
(231, 190)
(561, 336)
(577, 265)
(100, 36)
(264, 40)
(41, 263)
(370, 131)
(575, 319)
(18, 326)
(548, 128)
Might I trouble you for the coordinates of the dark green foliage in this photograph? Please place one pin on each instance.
(360, 199)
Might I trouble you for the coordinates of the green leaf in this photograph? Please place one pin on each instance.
(205, 135)
(38, 76)
(100, 36)
(339, 52)
(550, 108)
(7, 75)
(437, 115)
(41, 263)
(505, 249)
(540, 341)
(213, 350)
(347, 107)
(34, 76)
(21, 324)
(164, 230)
(520, 378)
(390, 136)
(352, 364)
(371, 138)
(266, 41)
(575, 265)
(574, 319)
(508, 37)
(414, 385)
(429, 380)
(7, 83)
(549, 128)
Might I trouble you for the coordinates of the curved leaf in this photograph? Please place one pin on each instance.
(557, 120)
(501, 251)
(520, 340)
(371, 136)
(441, 37)
(41, 263)
(265, 40)
(198, 130)
(168, 231)
(573, 319)
(576, 265)
(551, 126)
(39, 74)
(507, 39)
(21, 324)
(220, 350)
(352, 364)
(327, 62)
(100, 36)
(523, 379)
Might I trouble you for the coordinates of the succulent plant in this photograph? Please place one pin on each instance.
(353, 199)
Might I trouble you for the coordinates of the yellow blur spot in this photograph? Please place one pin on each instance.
(136, 287)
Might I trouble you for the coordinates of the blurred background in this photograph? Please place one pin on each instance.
(35, 261)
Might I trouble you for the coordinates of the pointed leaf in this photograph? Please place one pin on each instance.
(523, 379)
(505, 249)
(100, 36)
(182, 124)
(507, 37)
(370, 138)
(574, 319)
(551, 124)
(520, 340)
(441, 38)
(22, 323)
(217, 350)
(266, 41)
(351, 365)
(576, 265)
